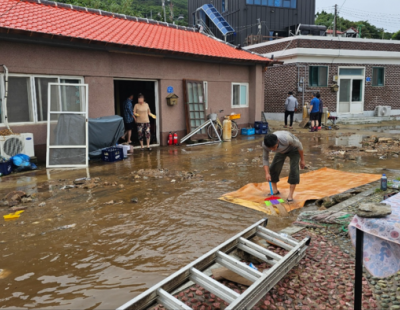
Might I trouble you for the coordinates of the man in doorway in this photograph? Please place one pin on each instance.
(285, 145)
(291, 105)
(127, 112)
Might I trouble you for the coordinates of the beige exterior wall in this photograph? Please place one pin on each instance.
(100, 68)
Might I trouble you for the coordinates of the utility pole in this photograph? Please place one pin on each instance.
(335, 22)
(163, 5)
(383, 33)
(171, 8)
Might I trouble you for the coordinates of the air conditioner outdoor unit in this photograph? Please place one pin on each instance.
(17, 144)
(382, 110)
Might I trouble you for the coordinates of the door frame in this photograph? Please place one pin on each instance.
(157, 103)
(351, 77)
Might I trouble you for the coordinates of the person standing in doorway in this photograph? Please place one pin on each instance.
(128, 118)
(321, 111)
(141, 113)
(291, 105)
(314, 113)
(285, 144)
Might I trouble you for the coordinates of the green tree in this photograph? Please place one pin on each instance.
(367, 30)
(396, 36)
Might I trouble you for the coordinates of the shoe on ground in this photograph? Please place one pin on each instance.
(319, 128)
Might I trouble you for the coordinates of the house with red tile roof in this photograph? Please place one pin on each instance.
(115, 55)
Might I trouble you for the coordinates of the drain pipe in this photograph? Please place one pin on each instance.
(5, 97)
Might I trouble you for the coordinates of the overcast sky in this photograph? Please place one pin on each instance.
(381, 13)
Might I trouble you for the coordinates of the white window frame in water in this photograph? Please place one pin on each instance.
(235, 106)
(32, 89)
(84, 112)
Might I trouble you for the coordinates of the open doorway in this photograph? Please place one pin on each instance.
(122, 89)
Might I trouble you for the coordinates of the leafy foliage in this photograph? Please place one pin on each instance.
(367, 30)
(139, 8)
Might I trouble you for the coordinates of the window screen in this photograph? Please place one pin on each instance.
(318, 76)
(41, 88)
(19, 101)
(378, 77)
(195, 105)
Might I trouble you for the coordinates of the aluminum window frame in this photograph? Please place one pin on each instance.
(384, 77)
(33, 103)
(327, 76)
(85, 113)
(247, 95)
(205, 91)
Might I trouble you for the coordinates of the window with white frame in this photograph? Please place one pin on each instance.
(27, 100)
(240, 95)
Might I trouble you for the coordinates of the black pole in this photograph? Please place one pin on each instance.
(359, 269)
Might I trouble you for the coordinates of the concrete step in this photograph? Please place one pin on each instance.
(363, 120)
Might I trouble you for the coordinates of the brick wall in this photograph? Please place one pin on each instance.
(280, 79)
(327, 44)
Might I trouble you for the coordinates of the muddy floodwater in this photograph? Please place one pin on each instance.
(92, 248)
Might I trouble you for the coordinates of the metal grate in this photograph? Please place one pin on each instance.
(13, 146)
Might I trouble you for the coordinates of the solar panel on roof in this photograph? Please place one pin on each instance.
(217, 19)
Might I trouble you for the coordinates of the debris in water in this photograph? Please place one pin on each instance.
(66, 227)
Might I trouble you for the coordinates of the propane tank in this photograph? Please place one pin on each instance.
(170, 138)
(175, 138)
(227, 130)
(305, 111)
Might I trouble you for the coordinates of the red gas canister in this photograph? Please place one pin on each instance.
(170, 138)
(175, 138)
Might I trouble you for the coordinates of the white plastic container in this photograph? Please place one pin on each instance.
(125, 149)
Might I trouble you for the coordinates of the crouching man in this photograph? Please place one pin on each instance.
(285, 145)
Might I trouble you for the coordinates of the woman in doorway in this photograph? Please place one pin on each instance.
(141, 113)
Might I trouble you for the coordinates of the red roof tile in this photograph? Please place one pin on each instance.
(63, 20)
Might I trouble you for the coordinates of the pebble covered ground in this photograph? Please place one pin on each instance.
(324, 279)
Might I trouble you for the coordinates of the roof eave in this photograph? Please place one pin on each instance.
(73, 42)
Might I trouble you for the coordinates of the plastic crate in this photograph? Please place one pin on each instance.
(112, 154)
(248, 131)
(6, 168)
(234, 116)
(260, 125)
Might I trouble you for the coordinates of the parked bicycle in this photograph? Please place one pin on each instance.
(219, 127)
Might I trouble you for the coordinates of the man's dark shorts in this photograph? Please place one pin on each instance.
(128, 126)
(314, 116)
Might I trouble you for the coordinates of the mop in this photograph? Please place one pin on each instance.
(272, 200)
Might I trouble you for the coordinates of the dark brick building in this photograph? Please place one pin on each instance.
(366, 71)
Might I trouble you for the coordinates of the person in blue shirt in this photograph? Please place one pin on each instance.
(127, 113)
(314, 112)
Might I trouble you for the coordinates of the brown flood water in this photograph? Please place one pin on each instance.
(113, 252)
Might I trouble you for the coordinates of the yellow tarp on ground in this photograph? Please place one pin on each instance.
(313, 185)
